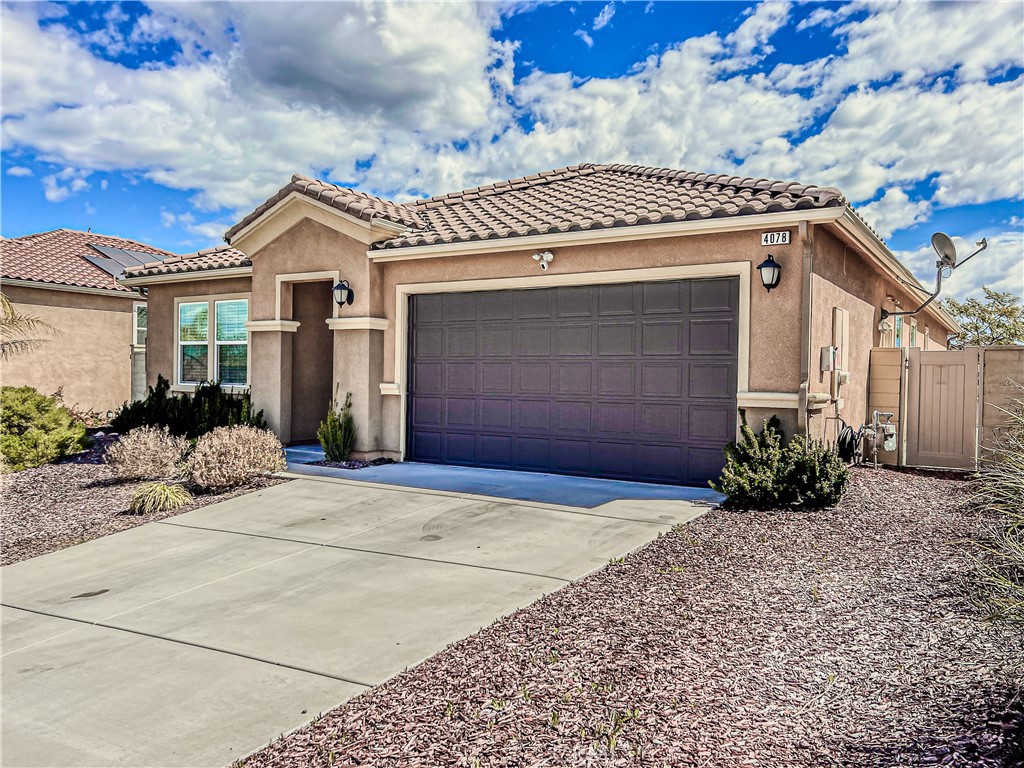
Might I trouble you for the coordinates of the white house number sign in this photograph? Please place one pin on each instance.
(775, 238)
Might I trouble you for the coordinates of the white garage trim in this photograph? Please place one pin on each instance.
(740, 269)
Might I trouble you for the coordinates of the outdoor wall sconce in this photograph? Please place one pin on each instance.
(770, 271)
(343, 293)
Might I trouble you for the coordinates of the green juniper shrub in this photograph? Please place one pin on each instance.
(36, 429)
(761, 472)
(337, 435)
(159, 497)
(188, 415)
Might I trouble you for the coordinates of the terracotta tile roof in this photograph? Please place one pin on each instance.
(220, 257)
(353, 202)
(584, 197)
(58, 257)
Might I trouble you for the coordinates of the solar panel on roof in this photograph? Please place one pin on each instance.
(109, 266)
(125, 256)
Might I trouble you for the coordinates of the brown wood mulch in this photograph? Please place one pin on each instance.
(57, 506)
(845, 637)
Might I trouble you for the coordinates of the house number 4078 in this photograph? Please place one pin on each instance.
(775, 238)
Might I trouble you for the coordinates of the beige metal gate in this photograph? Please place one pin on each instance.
(942, 408)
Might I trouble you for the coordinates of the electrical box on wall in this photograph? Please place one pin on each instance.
(828, 359)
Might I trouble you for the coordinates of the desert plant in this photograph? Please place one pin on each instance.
(755, 467)
(35, 429)
(1000, 488)
(337, 434)
(817, 476)
(20, 333)
(146, 453)
(762, 473)
(159, 497)
(233, 456)
(188, 415)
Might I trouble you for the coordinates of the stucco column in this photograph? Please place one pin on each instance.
(270, 374)
(359, 368)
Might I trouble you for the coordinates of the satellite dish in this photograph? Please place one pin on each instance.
(945, 248)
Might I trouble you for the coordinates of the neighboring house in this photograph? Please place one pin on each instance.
(603, 320)
(69, 280)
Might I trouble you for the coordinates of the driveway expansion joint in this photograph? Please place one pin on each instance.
(329, 545)
(201, 646)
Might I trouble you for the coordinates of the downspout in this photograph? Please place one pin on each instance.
(806, 230)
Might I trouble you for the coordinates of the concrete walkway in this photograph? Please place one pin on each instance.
(195, 640)
(584, 492)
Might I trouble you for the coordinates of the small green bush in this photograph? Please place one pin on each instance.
(146, 453)
(231, 456)
(36, 430)
(188, 415)
(337, 435)
(762, 473)
(159, 497)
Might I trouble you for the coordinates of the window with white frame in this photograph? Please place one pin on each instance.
(139, 324)
(898, 332)
(213, 343)
(913, 333)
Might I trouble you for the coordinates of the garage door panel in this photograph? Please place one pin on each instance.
(633, 381)
(713, 296)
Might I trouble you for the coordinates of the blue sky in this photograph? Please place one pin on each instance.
(165, 123)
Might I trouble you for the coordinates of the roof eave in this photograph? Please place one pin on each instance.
(219, 273)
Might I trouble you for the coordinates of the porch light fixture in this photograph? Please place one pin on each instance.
(770, 271)
(343, 293)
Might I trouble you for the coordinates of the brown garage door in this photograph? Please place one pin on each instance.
(635, 381)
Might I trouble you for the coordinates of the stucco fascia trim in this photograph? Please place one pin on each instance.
(609, 235)
(785, 400)
(739, 269)
(287, 326)
(188, 277)
(292, 209)
(133, 295)
(357, 323)
(854, 229)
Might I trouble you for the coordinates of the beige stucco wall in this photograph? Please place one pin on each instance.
(90, 359)
(160, 352)
(842, 278)
(1003, 384)
(312, 359)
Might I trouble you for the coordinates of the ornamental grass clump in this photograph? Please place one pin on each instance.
(337, 435)
(762, 472)
(36, 429)
(229, 457)
(1000, 488)
(159, 497)
(147, 453)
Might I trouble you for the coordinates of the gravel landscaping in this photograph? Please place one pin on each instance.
(59, 505)
(845, 637)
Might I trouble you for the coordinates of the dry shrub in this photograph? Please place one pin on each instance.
(146, 453)
(233, 456)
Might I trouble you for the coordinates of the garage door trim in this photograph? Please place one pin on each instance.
(403, 292)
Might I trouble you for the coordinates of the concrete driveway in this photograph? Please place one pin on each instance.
(195, 640)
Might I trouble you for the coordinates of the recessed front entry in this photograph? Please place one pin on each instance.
(633, 381)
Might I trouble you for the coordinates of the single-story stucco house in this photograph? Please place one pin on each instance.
(69, 280)
(600, 320)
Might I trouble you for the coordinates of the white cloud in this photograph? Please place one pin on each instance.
(894, 211)
(585, 37)
(61, 185)
(649, 7)
(605, 16)
(19, 170)
(167, 218)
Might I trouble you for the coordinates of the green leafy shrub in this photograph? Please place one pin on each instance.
(337, 434)
(36, 430)
(188, 415)
(1000, 488)
(233, 456)
(762, 473)
(159, 497)
(146, 453)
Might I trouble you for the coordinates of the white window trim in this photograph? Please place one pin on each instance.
(211, 300)
(135, 324)
(217, 344)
